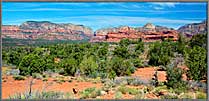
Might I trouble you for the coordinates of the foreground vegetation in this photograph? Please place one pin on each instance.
(111, 60)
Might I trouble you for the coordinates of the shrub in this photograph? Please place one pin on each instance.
(108, 85)
(139, 47)
(118, 95)
(133, 91)
(32, 63)
(137, 62)
(186, 96)
(123, 89)
(174, 79)
(121, 67)
(199, 40)
(160, 53)
(39, 95)
(88, 65)
(52, 95)
(69, 66)
(140, 94)
(125, 42)
(201, 95)
(130, 81)
(169, 96)
(122, 52)
(18, 77)
(37, 76)
(197, 63)
(90, 93)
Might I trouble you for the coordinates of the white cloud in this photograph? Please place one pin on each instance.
(158, 8)
(165, 4)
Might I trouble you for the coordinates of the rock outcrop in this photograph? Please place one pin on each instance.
(192, 29)
(147, 33)
(52, 31)
(46, 30)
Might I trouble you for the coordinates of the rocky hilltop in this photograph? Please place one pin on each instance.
(147, 33)
(52, 31)
(194, 28)
(46, 30)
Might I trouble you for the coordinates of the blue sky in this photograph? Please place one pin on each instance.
(102, 15)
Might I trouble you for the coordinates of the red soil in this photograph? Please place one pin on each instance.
(148, 73)
(11, 86)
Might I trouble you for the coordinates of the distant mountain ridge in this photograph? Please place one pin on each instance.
(68, 31)
(194, 28)
(46, 30)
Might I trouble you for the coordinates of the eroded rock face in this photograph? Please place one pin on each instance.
(148, 33)
(52, 31)
(46, 30)
(192, 29)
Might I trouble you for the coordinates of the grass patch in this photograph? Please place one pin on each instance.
(39, 95)
(123, 89)
(37, 76)
(201, 95)
(19, 77)
(118, 95)
(90, 93)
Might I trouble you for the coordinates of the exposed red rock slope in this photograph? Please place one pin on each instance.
(148, 33)
(46, 30)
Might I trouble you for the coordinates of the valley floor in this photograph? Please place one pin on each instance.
(10, 87)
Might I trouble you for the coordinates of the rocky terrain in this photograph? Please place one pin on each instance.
(194, 28)
(52, 31)
(46, 30)
(147, 33)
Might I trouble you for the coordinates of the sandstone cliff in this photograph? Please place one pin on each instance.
(147, 33)
(46, 30)
(194, 28)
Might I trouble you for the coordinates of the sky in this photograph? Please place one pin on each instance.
(98, 15)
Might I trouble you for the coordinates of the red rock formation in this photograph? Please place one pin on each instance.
(46, 30)
(148, 34)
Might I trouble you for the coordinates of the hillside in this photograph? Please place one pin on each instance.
(194, 28)
(147, 33)
(46, 30)
(52, 31)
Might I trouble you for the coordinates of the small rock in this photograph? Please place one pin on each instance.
(103, 92)
(13, 72)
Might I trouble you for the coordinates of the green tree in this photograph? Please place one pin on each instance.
(88, 65)
(120, 66)
(32, 63)
(181, 44)
(174, 78)
(69, 65)
(160, 53)
(197, 63)
(125, 42)
(121, 51)
(199, 40)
